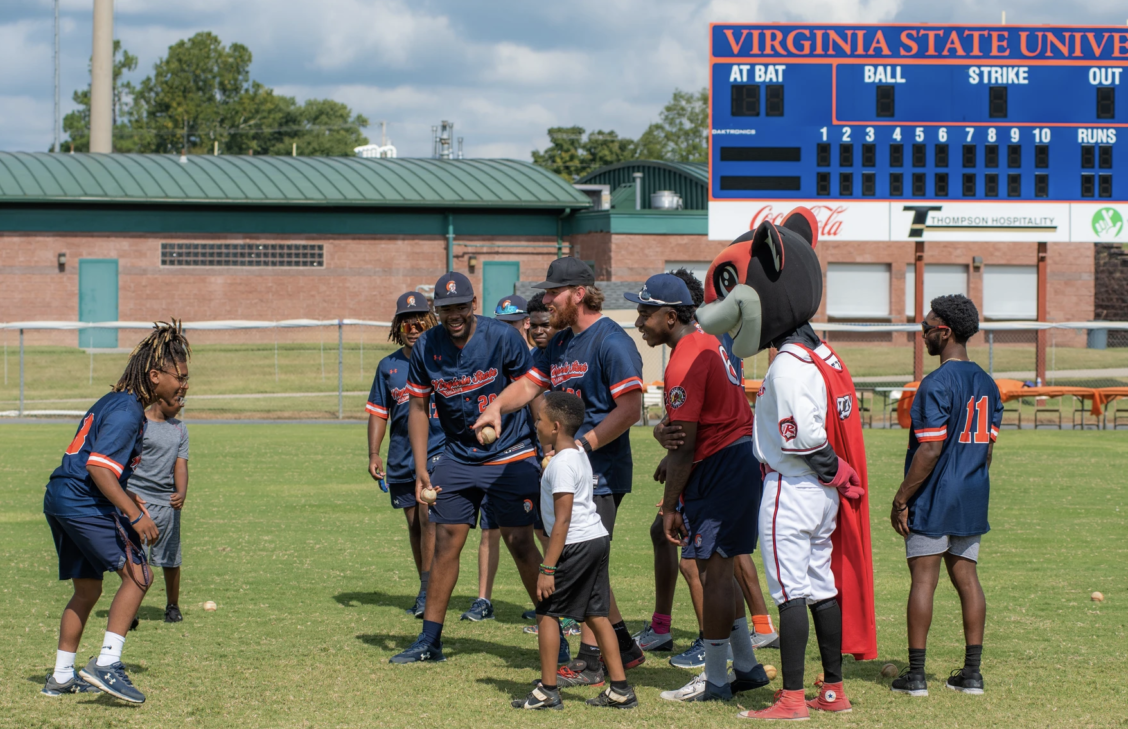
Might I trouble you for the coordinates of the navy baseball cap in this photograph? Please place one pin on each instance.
(567, 271)
(511, 308)
(663, 289)
(412, 302)
(452, 289)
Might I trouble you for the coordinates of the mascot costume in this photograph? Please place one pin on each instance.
(814, 518)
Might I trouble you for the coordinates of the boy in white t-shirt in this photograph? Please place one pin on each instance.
(574, 581)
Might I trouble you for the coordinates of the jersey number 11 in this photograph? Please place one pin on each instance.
(977, 411)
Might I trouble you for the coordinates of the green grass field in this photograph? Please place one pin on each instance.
(311, 569)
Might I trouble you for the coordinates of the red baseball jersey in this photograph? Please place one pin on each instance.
(703, 385)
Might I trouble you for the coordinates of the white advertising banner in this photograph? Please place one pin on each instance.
(933, 220)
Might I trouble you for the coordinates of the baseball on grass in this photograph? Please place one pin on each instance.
(1097, 597)
(889, 670)
(210, 606)
(771, 671)
(820, 679)
(544, 462)
(488, 434)
(429, 495)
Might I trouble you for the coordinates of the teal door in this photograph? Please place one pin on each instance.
(98, 300)
(498, 280)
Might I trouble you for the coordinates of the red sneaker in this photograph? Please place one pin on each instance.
(788, 706)
(831, 698)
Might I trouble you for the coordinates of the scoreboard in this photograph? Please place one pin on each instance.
(903, 132)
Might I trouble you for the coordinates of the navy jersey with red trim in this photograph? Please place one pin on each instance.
(600, 364)
(958, 405)
(110, 435)
(464, 381)
(388, 401)
(704, 386)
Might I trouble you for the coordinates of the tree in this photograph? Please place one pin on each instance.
(76, 124)
(682, 132)
(201, 97)
(572, 156)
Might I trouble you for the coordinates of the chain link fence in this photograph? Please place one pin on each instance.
(323, 370)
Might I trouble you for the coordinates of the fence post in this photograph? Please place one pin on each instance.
(21, 373)
(991, 353)
(340, 370)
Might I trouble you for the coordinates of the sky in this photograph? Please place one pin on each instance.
(503, 71)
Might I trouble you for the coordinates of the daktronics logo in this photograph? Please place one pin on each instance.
(829, 217)
(561, 373)
(466, 383)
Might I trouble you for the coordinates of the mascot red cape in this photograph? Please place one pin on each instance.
(763, 290)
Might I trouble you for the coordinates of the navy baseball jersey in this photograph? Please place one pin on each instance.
(600, 365)
(958, 405)
(110, 435)
(388, 401)
(464, 381)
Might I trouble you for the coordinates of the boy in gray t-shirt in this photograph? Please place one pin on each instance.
(161, 480)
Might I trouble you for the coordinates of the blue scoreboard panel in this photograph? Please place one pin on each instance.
(917, 114)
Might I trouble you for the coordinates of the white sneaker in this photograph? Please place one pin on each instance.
(693, 690)
(765, 640)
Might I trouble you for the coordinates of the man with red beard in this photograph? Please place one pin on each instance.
(594, 358)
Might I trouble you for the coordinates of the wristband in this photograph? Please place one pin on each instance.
(546, 570)
(586, 445)
(902, 508)
(134, 522)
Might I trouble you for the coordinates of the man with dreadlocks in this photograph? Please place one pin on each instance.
(388, 406)
(97, 526)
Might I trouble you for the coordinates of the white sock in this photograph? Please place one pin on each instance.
(111, 649)
(64, 666)
(716, 661)
(743, 656)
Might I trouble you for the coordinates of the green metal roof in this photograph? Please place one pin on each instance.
(322, 181)
(688, 179)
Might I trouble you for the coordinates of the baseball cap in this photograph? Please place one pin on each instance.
(663, 289)
(453, 288)
(567, 271)
(511, 308)
(411, 303)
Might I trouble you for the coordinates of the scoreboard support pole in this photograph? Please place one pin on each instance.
(1042, 334)
(918, 336)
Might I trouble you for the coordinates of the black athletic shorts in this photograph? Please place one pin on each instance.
(583, 584)
(607, 506)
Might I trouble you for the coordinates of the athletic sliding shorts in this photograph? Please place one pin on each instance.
(722, 503)
(919, 545)
(513, 490)
(89, 546)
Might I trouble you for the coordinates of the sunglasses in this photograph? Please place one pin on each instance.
(412, 326)
(925, 327)
(182, 379)
(644, 295)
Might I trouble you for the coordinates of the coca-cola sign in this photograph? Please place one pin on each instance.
(830, 217)
(837, 220)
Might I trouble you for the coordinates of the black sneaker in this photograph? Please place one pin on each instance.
(615, 699)
(74, 686)
(577, 673)
(965, 682)
(539, 699)
(633, 656)
(135, 623)
(419, 651)
(913, 684)
(113, 680)
(754, 679)
(416, 610)
(172, 613)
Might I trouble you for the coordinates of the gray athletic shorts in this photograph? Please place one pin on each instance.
(165, 552)
(918, 545)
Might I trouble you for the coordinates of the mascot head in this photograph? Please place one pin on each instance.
(766, 284)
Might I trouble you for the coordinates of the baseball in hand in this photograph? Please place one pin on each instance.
(771, 671)
(429, 495)
(210, 606)
(1097, 597)
(487, 434)
(889, 670)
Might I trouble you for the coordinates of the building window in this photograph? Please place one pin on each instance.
(1010, 292)
(939, 280)
(265, 255)
(857, 290)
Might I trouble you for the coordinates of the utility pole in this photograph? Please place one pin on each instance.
(58, 121)
(102, 79)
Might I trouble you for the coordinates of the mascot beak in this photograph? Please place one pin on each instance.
(738, 314)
